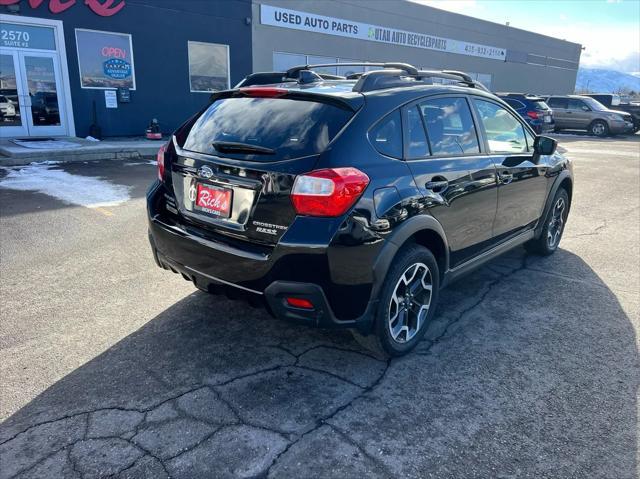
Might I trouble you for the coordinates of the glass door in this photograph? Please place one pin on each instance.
(42, 93)
(13, 112)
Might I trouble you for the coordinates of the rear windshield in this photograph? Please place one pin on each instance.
(291, 128)
(540, 105)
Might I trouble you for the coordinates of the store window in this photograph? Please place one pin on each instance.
(105, 60)
(18, 35)
(208, 67)
(485, 78)
(316, 60)
(282, 61)
(346, 71)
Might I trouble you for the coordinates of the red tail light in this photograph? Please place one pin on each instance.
(533, 115)
(263, 92)
(160, 159)
(329, 192)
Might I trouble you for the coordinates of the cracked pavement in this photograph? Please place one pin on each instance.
(111, 367)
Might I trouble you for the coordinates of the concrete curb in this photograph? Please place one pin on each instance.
(72, 157)
(11, 155)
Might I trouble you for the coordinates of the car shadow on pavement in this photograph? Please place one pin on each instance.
(530, 369)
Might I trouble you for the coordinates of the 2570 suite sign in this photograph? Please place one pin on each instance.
(297, 20)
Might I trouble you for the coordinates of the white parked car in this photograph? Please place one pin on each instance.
(7, 110)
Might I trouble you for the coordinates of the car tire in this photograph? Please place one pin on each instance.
(408, 300)
(599, 128)
(554, 223)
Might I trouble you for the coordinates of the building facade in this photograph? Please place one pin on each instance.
(108, 67)
(287, 33)
(67, 65)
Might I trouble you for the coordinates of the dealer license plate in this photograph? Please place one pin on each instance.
(214, 200)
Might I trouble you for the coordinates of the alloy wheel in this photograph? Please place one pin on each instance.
(556, 224)
(598, 129)
(410, 302)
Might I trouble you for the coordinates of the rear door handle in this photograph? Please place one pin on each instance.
(437, 186)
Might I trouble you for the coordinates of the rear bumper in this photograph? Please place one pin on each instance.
(273, 297)
(267, 273)
(541, 127)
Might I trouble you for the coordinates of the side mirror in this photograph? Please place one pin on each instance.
(543, 145)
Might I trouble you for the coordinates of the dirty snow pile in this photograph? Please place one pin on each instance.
(88, 191)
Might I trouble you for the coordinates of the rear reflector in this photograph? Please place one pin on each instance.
(160, 160)
(329, 192)
(263, 92)
(299, 303)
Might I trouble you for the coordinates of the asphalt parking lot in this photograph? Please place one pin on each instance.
(112, 367)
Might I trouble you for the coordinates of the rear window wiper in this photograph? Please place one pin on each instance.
(235, 147)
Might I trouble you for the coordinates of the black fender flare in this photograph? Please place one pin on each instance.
(397, 239)
(552, 193)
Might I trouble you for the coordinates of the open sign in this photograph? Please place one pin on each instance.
(113, 52)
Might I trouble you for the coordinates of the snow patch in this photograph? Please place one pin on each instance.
(88, 191)
(136, 163)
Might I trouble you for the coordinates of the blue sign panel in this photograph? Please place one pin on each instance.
(117, 69)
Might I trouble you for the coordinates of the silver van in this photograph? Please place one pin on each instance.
(576, 112)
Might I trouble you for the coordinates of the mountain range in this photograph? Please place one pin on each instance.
(599, 80)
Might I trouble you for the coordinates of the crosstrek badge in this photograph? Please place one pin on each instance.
(268, 228)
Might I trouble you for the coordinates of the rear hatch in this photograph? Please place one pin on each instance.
(543, 110)
(236, 165)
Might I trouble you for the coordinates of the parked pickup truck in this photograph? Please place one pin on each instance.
(614, 102)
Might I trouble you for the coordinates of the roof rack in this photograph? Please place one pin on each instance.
(269, 78)
(392, 75)
(410, 69)
(378, 80)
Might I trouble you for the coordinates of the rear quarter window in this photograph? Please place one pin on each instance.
(515, 104)
(540, 105)
(292, 128)
(386, 135)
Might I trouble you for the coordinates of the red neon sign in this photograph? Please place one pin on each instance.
(104, 8)
(113, 52)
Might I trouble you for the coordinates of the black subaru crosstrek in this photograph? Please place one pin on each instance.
(351, 202)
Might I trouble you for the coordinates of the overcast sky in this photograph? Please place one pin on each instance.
(609, 29)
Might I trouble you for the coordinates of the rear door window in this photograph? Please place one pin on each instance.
(505, 134)
(450, 127)
(558, 102)
(386, 135)
(577, 105)
(289, 128)
(417, 140)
